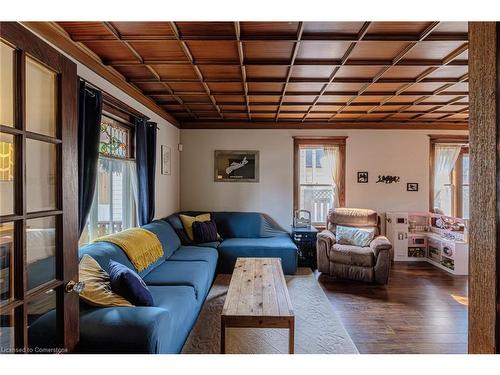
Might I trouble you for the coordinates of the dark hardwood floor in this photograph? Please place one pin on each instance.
(422, 310)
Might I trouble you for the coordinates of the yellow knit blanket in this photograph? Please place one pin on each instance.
(141, 246)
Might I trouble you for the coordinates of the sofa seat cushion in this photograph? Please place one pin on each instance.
(280, 247)
(160, 329)
(213, 245)
(126, 330)
(352, 255)
(196, 274)
(196, 253)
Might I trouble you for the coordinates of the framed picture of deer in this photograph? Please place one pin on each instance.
(236, 166)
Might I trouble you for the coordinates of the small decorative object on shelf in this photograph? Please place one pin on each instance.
(302, 219)
(305, 239)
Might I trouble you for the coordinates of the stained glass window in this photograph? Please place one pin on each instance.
(114, 139)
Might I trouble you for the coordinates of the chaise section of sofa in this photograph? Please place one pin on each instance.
(179, 283)
(245, 234)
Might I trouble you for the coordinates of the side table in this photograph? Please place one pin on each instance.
(305, 239)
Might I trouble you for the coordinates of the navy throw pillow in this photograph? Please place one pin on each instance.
(129, 285)
(205, 231)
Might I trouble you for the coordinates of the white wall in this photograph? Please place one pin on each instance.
(403, 153)
(167, 186)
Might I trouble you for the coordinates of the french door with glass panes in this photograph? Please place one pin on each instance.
(38, 201)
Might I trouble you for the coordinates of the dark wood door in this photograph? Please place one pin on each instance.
(38, 187)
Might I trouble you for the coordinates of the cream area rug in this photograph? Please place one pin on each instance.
(317, 328)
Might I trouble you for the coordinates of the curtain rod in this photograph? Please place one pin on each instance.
(94, 87)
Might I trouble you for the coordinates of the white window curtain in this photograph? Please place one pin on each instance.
(133, 182)
(332, 158)
(445, 157)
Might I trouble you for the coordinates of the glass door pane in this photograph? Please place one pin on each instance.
(6, 84)
(41, 99)
(40, 250)
(6, 262)
(7, 165)
(7, 332)
(42, 323)
(41, 175)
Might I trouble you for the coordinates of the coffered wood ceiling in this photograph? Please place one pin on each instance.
(236, 74)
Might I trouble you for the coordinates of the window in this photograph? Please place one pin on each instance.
(113, 208)
(319, 176)
(450, 176)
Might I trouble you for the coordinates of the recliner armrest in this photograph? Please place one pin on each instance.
(380, 243)
(327, 236)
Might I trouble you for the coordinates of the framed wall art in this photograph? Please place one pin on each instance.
(236, 166)
(166, 162)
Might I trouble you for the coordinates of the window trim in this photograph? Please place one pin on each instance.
(339, 141)
(457, 193)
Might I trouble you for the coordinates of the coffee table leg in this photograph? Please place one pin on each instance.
(222, 336)
(291, 338)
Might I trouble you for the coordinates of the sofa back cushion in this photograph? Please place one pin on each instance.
(103, 252)
(235, 224)
(167, 236)
(353, 217)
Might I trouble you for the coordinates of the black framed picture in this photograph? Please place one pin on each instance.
(362, 177)
(412, 186)
(236, 166)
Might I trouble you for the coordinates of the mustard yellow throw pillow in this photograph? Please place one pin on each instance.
(97, 289)
(187, 223)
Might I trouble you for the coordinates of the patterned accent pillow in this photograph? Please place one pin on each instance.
(205, 231)
(97, 291)
(354, 236)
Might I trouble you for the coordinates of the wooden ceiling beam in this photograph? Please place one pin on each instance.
(318, 37)
(404, 51)
(284, 111)
(356, 104)
(131, 49)
(447, 60)
(361, 34)
(189, 56)
(437, 108)
(289, 73)
(243, 71)
(286, 63)
(416, 125)
(299, 80)
(307, 93)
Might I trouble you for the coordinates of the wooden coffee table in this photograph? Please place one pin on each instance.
(258, 298)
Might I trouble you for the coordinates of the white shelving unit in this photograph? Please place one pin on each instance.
(442, 248)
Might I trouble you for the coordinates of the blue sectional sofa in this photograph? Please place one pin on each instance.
(179, 283)
(245, 234)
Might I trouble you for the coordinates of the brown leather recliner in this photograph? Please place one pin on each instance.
(371, 263)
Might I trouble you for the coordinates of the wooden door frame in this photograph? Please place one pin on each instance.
(484, 242)
(339, 141)
(66, 211)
